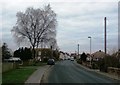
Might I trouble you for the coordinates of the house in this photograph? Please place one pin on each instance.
(67, 56)
(98, 55)
(42, 53)
(62, 55)
(88, 57)
(75, 55)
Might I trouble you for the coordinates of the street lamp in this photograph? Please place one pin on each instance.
(90, 48)
(90, 43)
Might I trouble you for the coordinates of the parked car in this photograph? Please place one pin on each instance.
(68, 58)
(13, 59)
(51, 62)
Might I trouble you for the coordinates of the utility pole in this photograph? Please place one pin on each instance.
(105, 45)
(51, 51)
(78, 50)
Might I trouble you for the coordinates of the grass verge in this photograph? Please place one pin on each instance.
(39, 63)
(17, 75)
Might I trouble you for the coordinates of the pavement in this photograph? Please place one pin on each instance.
(37, 75)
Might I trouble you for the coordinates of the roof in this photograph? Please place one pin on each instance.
(98, 54)
(42, 49)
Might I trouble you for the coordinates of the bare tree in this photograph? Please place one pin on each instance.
(50, 40)
(112, 50)
(34, 25)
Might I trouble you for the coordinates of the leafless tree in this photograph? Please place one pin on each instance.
(35, 25)
(50, 40)
(112, 50)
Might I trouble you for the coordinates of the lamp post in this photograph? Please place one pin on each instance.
(90, 43)
(90, 49)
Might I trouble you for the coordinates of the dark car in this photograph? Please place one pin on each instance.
(51, 62)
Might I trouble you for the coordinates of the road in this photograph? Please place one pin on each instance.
(70, 72)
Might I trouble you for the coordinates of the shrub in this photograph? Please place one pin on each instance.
(95, 65)
(83, 57)
(108, 61)
(79, 61)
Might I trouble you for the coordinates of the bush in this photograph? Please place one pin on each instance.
(108, 61)
(23, 53)
(79, 61)
(83, 57)
(95, 65)
(45, 59)
(103, 68)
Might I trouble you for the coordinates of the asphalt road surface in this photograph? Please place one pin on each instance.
(70, 72)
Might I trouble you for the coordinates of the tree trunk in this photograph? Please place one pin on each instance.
(34, 52)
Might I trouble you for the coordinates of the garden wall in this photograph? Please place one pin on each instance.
(114, 71)
(6, 66)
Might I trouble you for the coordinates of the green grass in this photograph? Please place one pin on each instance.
(18, 75)
(40, 63)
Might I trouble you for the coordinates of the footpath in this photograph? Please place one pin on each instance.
(102, 73)
(36, 77)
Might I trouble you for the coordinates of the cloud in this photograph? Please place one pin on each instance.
(76, 21)
(88, 23)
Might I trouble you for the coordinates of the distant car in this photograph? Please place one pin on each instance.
(72, 58)
(51, 62)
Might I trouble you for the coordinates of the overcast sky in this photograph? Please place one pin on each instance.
(76, 21)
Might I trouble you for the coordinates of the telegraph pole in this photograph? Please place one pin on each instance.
(51, 51)
(78, 50)
(105, 35)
